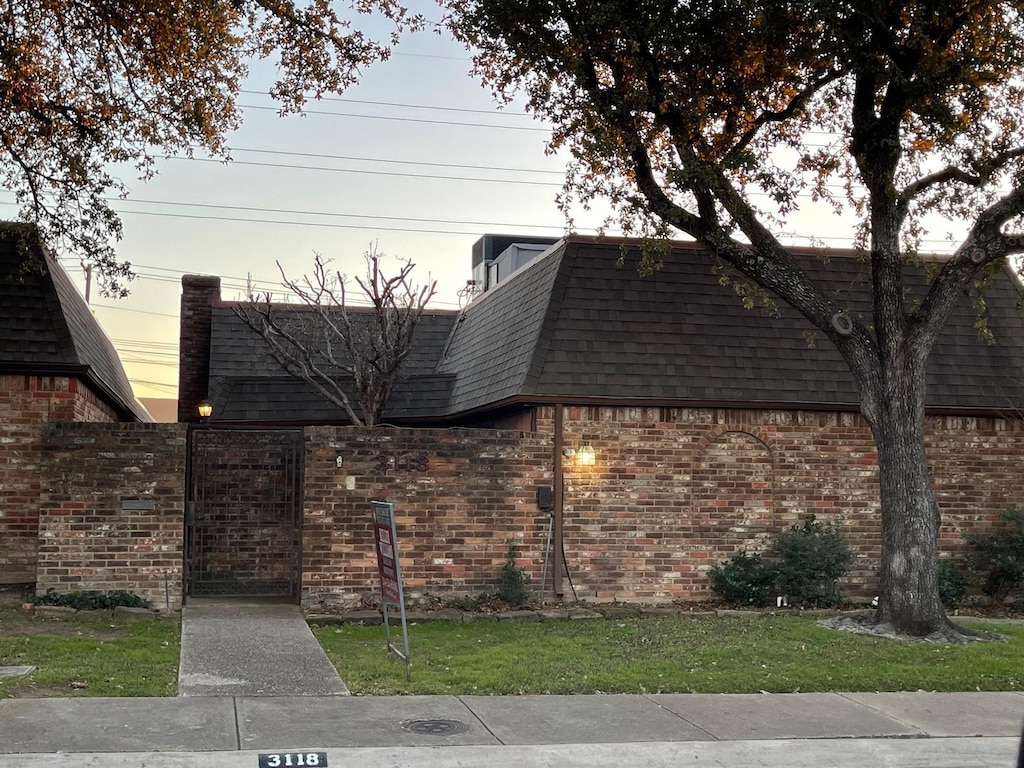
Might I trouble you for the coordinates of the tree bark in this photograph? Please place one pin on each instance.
(908, 575)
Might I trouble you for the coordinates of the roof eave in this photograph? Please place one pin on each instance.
(526, 401)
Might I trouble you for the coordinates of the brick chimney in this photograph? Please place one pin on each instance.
(198, 295)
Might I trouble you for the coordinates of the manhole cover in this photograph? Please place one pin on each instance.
(435, 727)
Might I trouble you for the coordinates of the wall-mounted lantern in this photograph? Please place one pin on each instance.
(585, 455)
(205, 410)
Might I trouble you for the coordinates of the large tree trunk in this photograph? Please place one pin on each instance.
(908, 589)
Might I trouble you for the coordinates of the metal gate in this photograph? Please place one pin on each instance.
(243, 514)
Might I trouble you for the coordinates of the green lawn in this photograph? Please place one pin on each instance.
(777, 654)
(88, 656)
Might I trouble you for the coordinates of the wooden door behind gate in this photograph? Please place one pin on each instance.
(244, 513)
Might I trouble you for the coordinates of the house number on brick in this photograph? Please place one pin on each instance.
(292, 759)
(402, 461)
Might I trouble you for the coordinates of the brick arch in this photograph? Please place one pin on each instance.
(732, 493)
(714, 435)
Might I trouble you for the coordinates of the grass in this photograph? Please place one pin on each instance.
(92, 655)
(775, 654)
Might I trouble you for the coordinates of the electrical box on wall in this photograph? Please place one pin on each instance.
(545, 498)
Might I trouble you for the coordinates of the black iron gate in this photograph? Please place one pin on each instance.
(243, 526)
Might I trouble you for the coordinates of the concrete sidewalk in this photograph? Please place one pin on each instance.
(235, 648)
(933, 730)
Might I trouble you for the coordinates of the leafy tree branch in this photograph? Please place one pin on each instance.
(90, 86)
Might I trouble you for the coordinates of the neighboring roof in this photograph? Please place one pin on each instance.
(577, 324)
(46, 327)
(247, 384)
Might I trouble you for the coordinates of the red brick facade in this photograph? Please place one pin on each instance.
(673, 491)
(461, 497)
(111, 509)
(676, 490)
(26, 403)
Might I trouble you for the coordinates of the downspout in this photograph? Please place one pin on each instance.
(559, 492)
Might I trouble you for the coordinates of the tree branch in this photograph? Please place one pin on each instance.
(372, 343)
(795, 105)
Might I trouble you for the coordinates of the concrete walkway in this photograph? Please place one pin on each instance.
(232, 648)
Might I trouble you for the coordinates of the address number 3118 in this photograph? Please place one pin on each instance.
(293, 760)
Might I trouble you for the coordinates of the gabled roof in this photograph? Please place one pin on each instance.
(247, 384)
(577, 324)
(46, 328)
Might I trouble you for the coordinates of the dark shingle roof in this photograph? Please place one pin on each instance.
(495, 341)
(581, 323)
(247, 384)
(46, 326)
(286, 399)
(578, 324)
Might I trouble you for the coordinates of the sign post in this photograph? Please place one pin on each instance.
(385, 542)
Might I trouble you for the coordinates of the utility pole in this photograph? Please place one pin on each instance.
(87, 268)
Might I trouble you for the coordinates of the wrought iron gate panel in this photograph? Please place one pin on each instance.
(244, 512)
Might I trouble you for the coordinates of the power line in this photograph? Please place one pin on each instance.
(142, 361)
(146, 351)
(411, 230)
(406, 119)
(339, 99)
(159, 384)
(296, 223)
(394, 162)
(832, 238)
(372, 173)
(129, 309)
(168, 344)
(293, 212)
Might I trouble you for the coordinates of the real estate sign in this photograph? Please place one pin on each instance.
(385, 542)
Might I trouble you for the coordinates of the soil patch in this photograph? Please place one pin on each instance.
(14, 623)
(864, 624)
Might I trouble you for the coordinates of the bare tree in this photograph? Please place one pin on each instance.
(342, 350)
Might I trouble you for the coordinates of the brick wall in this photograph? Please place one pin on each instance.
(675, 491)
(89, 407)
(461, 497)
(198, 295)
(112, 509)
(26, 403)
(38, 399)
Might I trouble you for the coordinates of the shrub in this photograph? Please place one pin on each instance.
(91, 600)
(999, 557)
(806, 560)
(512, 580)
(743, 579)
(953, 583)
